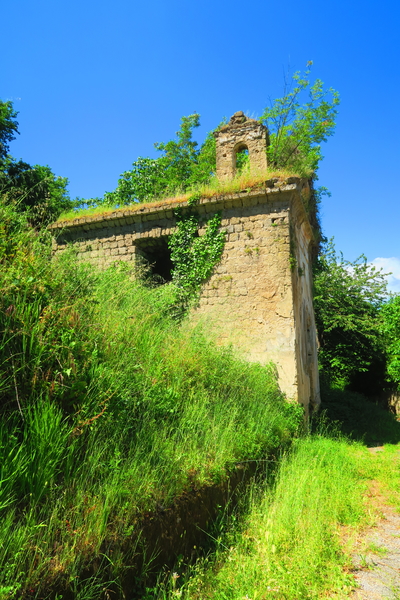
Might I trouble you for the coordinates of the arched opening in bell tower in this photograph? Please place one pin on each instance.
(241, 158)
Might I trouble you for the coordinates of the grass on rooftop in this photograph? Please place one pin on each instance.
(244, 181)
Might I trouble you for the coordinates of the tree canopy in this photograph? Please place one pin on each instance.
(298, 123)
(32, 189)
(348, 297)
(297, 129)
(8, 127)
(390, 328)
(182, 165)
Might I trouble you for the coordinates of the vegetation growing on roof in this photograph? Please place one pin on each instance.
(298, 123)
(296, 127)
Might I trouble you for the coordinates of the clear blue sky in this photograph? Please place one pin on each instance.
(97, 83)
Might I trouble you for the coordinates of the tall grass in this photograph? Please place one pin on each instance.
(108, 408)
(290, 547)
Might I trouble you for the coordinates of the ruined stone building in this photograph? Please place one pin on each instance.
(259, 297)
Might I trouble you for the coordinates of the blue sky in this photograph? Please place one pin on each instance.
(97, 83)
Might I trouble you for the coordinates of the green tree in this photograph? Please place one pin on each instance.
(206, 160)
(8, 127)
(150, 178)
(143, 183)
(297, 128)
(180, 155)
(390, 328)
(182, 166)
(347, 300)
(35, 190)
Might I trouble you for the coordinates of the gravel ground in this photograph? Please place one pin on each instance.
(377, 560)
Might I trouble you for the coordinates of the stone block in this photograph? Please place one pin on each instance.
(237, 202)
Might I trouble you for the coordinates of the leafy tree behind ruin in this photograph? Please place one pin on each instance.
(35, 189)
(348, 297)
(8, 127)
(296, 128)
(390, 329)
(298, 123)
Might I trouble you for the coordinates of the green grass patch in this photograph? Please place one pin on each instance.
(383, 466)
(290, 544)
(297, 538)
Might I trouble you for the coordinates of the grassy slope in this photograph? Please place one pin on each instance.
(108, 409)
(289, 547)
(299, 533)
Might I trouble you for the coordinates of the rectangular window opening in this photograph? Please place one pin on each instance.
(156, 254)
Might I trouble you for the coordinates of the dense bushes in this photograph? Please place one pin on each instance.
(44, 316)
(358, 324)
(390, 328)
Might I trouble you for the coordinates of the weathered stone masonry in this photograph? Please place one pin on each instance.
(260, 295)
(241, 133)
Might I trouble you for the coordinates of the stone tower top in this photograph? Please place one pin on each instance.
(241, 133)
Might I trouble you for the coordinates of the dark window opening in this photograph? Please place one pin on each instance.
(156, 254)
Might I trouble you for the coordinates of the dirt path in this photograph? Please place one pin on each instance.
(377, 554)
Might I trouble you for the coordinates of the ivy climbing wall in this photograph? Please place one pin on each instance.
(257, 297)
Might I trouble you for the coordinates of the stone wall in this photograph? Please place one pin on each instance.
(120, 236)
(259, 297)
